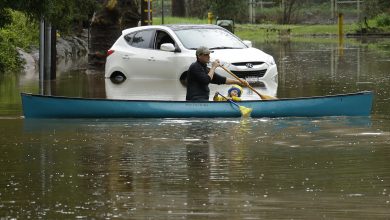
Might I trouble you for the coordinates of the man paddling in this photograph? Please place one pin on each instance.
(199, 77)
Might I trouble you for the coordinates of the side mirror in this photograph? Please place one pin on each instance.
(167, 47)
(247, 43)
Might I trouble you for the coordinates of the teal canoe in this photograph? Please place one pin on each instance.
(42, 106)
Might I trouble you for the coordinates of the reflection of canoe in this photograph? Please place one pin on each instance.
(38, 106)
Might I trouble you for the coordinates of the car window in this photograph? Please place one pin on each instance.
(211, 38)
(142, 39)
(162, 37)
(129, 37)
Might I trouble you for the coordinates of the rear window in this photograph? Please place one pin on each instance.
(142, 39)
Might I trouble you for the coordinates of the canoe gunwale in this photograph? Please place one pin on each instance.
(244, 101)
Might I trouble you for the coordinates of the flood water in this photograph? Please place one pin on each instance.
(285, 168)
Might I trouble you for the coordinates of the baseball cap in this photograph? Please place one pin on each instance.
(203, 50)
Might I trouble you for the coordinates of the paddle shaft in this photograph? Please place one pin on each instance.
(231, 101)
(249, 86)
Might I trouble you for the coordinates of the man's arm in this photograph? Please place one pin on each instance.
(214, 66)
(236, 81)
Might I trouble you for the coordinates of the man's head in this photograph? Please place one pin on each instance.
(203, 54)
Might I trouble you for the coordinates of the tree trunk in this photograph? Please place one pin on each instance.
(107, 25)
(178, 8)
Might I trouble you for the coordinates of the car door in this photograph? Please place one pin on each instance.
(164, 64)
(139, 53)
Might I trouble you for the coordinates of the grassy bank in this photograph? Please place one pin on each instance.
(272, 32)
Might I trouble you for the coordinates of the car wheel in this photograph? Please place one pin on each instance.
(183, 78)
(117, 77)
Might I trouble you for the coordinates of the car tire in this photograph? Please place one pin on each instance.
(117, 77)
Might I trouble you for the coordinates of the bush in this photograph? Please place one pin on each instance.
(19, 33)
(383, 20)
(9, 59)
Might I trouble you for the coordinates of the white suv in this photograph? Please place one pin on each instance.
(166, 52)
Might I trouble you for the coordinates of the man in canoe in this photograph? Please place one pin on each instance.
(199, 77)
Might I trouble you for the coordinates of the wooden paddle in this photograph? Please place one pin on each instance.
(245, 112)
(262, 96)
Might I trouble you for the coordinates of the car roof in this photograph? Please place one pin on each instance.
(173, 27)
(192, 26)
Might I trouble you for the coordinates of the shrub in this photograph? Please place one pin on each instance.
(9, 59)
(383, 20)
(19, 33)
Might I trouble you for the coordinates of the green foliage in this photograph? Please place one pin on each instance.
(383, 20)
(5, 17)
(375, 7)
(60, 13)
(9, 60)
(230, 9)
(19, 33)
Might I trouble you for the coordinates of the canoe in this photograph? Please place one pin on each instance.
(42, 106)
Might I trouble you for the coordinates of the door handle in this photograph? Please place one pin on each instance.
(125, 57)
(151, 59)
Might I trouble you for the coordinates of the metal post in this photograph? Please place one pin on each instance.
(210, 17)
(149, 13)
(162, 11)
(341, 34)
(146, 12)
(47, 44)
(340, 22)
(358, 9)
(332, 9)
(41, 55)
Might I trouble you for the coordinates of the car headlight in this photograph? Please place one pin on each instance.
(271, 61)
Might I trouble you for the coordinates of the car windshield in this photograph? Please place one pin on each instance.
(211, 38)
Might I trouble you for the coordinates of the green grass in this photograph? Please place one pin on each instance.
(274, 32)
(270, 31)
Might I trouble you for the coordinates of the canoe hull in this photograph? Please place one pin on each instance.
(38, 106)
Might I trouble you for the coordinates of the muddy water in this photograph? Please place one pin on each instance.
(295, 168)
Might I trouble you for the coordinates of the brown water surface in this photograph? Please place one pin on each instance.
(286, 168)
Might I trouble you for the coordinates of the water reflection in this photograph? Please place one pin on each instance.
(194, 168)
(147, 89)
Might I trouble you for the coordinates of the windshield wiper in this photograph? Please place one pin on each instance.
(216, 48)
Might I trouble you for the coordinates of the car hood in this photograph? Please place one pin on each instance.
(240, 55)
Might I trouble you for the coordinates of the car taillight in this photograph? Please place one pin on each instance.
(109, 52)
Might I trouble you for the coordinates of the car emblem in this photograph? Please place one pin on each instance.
(249, 65)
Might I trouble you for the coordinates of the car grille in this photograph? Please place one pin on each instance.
(256, 73)
(245, 63)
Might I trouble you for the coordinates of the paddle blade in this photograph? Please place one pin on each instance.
(245, 112)
(266, 97)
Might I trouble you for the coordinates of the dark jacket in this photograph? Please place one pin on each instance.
(198, 82)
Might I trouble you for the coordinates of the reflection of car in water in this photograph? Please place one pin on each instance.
(149, 89)
(166, 52)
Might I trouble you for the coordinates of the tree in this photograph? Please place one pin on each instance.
(375, 7)
(60, 13)
(178, 8)
(197, 8)
(230, 9)
(107, 24)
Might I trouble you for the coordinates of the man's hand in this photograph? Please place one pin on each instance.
(243, 82)
(215, 64)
